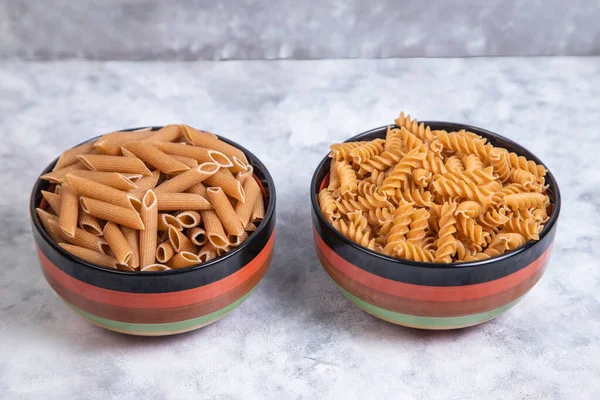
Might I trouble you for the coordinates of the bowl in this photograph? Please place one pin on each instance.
(432, 295)
(159, 303)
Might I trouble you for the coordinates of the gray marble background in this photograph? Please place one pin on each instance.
(292, 29)
(297, 337)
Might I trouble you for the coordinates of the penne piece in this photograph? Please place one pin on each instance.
(183, 260)
(225, 211)
(237, 240)
(200, 154)
(169, 133)
(156, 158)
(58, 175)
(190, 162)
(245, 210)
(69, 209)
(51, 229)
(197, 236)
(225, 180)
(69, 157)
(148, 237)
(110, 212)
(207, 252)
(155, 268)
(89, 223)
(164, 252)
(122, 164)
(146, 183)
(198, 188)
(133, 238)
(182, 201)
(214, 229)
(180, 242)
(189, 219)
(187, 179)
(210, 141)
(91, 256)
(53, 201)
(259, 209)
(166, 220)
(110, 144)
(238, 165)
(118, 243)
(88, 188)
(112, 179)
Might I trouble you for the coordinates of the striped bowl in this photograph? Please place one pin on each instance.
(431, 295)
(159, 303)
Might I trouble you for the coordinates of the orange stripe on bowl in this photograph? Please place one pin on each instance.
(157, 300)
(429, 293)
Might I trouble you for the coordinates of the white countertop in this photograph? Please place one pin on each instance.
(296, 336)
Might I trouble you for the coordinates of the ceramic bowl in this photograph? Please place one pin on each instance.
(432, 295)
(159, 303)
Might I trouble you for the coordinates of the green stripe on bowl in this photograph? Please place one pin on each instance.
(416, 321)
(188, 324)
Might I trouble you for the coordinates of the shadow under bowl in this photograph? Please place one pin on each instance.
(159, 303)
(432, 295)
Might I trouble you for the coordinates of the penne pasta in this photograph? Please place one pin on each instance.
(69, 209)
(190, 162)
(164, 252)
(123, 164)
(156, 158)
(133, 239)
(210, 141)
(197, 236)
(198, 188)
(112, 179)
(237, 240)
(89, 224)
(245, 210)
(69, 157)
(146, 183)
(91, 256)
(53, 201)
(214, 229)
(259, 209)
(180, 242)
(148, 237)
(166, 220)
(187, 179)
(238, 165)
(183, 260)
(200, 154)
(155, 268)
(169, 133)
(110, 144)
(110, 212)
(58, 175)
(225, 180)
(189, 219)
(118, 243)
(87, 188)
(124, 267)
(225, 211)
(207, 252)
(52, 230)
(182, 201)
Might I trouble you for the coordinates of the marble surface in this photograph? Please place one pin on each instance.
(297, 336)
(291, 29)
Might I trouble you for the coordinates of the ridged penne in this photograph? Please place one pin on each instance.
(164, 252)
(69, 209)
(252, 193)
(69, 157)
(200, 154)
(210, 141)
(225, 180)
(112, 179)
(88, 188)
(150, 154)
(214, 229)
(165, 220)
(183, 260)
(187, 179)
(168, 133)
(188, 219)
(58, 175)
(225, 211)
(110, 212)
(133, 239)
(180, 242)
(121, 164)
(118, 243)
(91, 256)
(197, 236)
(182, 201)
(148, 236)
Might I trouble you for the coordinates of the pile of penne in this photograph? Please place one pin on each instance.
(151, 200)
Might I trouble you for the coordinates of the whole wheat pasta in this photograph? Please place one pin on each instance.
(238, 165)
(164, 252)
(231, 186)
(182, 201)
(258, 212)
(87, 188)
(110, 144)
(146, 183)
(133, 239)
(89, 224)
(251, 227)
(118, 243)
(110, 212)
(124, 267)
(198, 188)
(210, 141)
(166, 220)
(207, 252)
(53, 201)
(189, 219)
(238, 240)
(200, 154)
(69, 157)
(69, 209)
(244, 210)
(58, 175)
(148, 237)
(183, 260)
(123, 164)
(169, 133)
(180, 242)
(83, 239)
(190, 162)
(51, 228)
(112, 179)
(197, 236)
(156, 158)
(214, 229)
(225, 211)
(187, 179)
(155, 268)
(91, 256)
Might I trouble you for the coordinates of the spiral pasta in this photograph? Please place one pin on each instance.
(434, 196)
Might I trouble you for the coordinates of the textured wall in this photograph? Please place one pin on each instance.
(242, 29)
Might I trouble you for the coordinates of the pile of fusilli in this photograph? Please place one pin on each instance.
(435, 196)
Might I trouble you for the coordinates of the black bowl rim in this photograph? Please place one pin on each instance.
(550, 180)
(262, 226)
